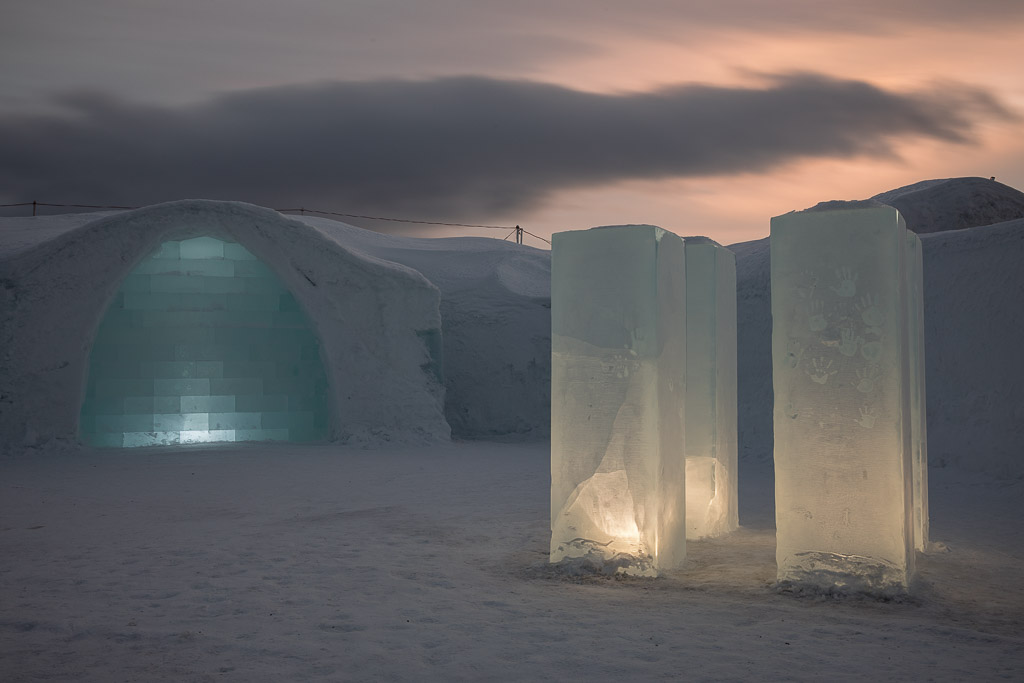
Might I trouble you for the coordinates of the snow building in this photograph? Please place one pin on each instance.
(201, 321)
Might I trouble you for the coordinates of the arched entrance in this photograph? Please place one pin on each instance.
(203, 343)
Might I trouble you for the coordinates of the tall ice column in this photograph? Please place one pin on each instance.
(711, 466)
(618, 346)
(918, 408)
(842, 363)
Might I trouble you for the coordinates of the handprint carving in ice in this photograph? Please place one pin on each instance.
(847, 278)
(843, 409)
(867, 417)
(866, 378)
(821, 370)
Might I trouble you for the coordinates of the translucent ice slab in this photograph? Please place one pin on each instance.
(711, 498)
(618, 310)
(845, 369)
(918, 407)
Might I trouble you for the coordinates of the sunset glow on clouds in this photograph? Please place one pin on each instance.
(932, 89)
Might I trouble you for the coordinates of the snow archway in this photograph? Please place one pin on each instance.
(378, 325)
(203, 342)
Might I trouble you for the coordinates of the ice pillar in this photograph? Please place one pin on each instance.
(918, 412)
(711, 503)
(618, 307)
(844, 369)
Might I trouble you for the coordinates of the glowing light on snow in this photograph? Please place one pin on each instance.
(618, 353)
(203, 343)
(846, 364)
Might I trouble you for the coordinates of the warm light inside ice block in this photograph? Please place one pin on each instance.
(203, 343)
(618, 355)
(711, 444)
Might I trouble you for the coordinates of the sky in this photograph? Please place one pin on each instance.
(703, 118)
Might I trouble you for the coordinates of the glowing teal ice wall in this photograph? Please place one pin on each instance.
(204, 343)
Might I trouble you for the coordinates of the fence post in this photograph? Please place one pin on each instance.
(33, 208)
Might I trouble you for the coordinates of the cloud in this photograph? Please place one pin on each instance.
(456, 148)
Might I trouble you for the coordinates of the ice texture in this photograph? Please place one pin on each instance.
(844, 377)
(918, 407)
(711, 400)
(618, 463)
(203, 343)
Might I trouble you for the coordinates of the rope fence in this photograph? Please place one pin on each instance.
(514, 230)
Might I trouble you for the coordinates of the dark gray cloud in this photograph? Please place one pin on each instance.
(455, 148)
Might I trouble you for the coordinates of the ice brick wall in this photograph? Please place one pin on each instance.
(203, 343)
(842, 364)
(711, 448)
(617, 397)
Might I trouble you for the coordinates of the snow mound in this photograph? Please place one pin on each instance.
(944, 204)
(954, 203)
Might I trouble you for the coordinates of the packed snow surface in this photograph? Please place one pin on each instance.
(327, 563)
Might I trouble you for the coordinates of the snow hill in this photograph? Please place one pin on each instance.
(954, 203)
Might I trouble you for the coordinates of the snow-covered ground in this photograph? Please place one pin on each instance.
(256, 562)
(326, 563)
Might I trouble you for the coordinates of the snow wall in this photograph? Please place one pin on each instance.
(496, 322)
(376, 321)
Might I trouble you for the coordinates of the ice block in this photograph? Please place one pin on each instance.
(844, 376)
(918, 407)
(711, 466)
(618, 466)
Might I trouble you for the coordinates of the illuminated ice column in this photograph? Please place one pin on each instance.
(711, 503)
(618, 306)
(843, 421)
(918, 412)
